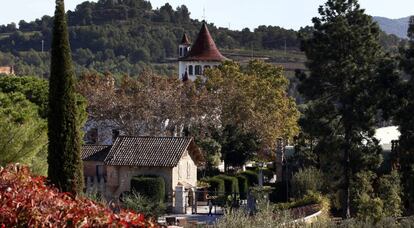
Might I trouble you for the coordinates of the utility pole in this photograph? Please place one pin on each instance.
(43, 45)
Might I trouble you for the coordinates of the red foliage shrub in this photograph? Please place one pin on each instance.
(26, 201)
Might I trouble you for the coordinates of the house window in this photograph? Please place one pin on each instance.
(190, 70)
(198, 70)
(181, 52)
(185, 51)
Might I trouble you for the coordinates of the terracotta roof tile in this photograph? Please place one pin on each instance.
(147, 151)
(204, 48)
(95, 152)
(185, 40)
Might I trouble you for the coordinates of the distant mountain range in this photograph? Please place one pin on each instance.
(397, 27)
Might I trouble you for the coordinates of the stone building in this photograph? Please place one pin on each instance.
(7, 70)
(173, 158)
(193, 59)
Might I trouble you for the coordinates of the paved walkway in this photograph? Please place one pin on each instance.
(200, 218)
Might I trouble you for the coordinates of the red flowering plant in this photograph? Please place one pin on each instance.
(26, 201)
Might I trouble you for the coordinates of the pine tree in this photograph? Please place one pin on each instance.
(405, 120)
(65, 164)
(342, 90)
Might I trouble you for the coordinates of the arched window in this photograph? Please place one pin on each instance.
(181, 52)
(190, 70)
(198, 70)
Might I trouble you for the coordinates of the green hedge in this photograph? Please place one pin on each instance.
(243, 186)
(231, 185)
(216, 185)
(252, 177)
(149, 186)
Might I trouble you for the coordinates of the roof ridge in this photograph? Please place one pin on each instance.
(95, 145)
(133, 136)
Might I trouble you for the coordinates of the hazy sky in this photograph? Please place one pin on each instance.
(237, 14)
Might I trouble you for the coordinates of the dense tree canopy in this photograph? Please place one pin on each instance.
(349, 76)
(255, 100)
(23, 133)
(128, 36)
(147, 105)
(23, 121)
(405, 121)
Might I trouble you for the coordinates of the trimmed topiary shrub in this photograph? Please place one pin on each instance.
(252, 177)
(231, 185)
(151, 187)
(216, 185)
(243, 186)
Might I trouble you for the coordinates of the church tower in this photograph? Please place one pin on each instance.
(201, 55)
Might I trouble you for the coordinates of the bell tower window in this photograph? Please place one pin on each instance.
(190, 70)
(198, 70)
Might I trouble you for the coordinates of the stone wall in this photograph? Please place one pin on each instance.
(119, 178)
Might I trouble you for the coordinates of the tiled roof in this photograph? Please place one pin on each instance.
(95, 152)
(148, 151)
(185, 40)
(204, 48)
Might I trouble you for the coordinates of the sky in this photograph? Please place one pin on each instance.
(236, 14)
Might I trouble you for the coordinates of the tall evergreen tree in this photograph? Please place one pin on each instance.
(343, 91)
(405, 120)
(65, 164)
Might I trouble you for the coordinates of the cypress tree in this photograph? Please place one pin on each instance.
(65, 164)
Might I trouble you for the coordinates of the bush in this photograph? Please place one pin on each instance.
(252, 177)
(306, 180)
(265, 218)
(311, 198)
(27, 202)
(216, 185)
(389, 191)
(243, 186)
(231, 185)
(151, 187)
(137, 202)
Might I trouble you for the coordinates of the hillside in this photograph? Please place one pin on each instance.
(129, 36)
(397, 27)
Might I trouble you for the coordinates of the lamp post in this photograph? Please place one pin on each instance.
(261, 165)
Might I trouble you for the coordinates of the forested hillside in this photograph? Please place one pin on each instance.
(397, 27)
(128, 36)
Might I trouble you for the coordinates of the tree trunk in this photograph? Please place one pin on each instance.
(346, 200)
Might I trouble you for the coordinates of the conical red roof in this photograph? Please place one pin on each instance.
(185, 40)
(204, 48)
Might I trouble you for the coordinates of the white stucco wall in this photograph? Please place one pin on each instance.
(185, 171)
(183, 67)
